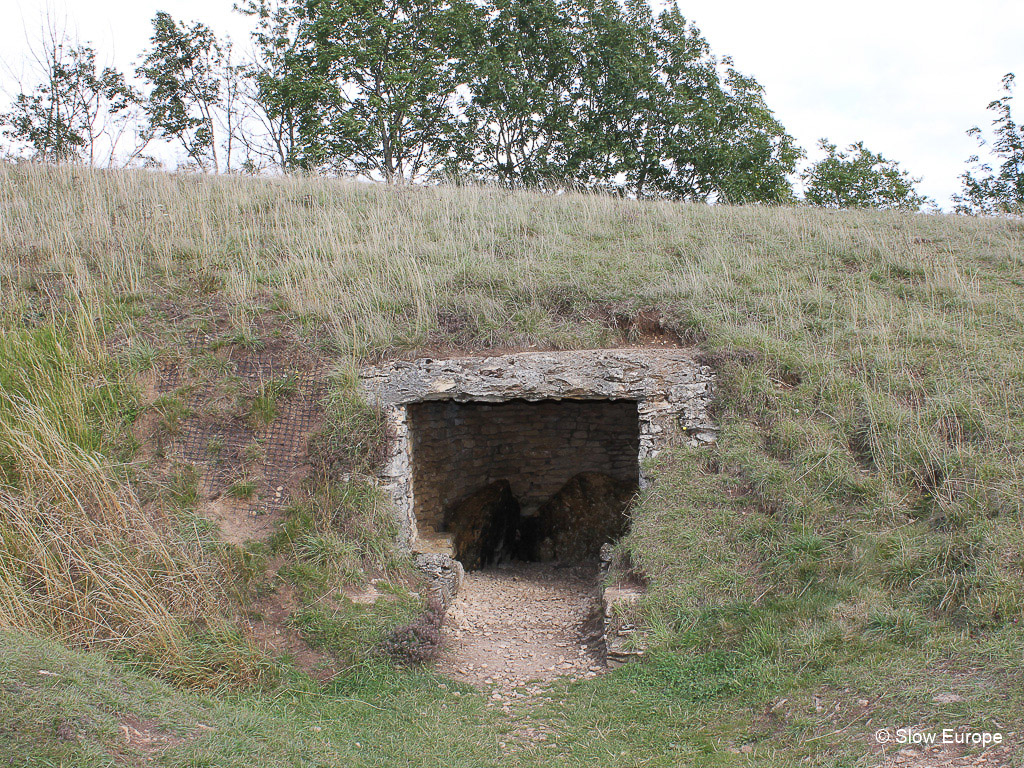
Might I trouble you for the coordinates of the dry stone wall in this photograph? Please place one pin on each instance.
(537, 447)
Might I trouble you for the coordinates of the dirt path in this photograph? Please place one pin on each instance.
(514, 627)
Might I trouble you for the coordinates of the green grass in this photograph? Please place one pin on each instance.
(264, 405)
(352, 631)
(242, 489)
(693, 709)
(353, 437)
(373, 716)
(340, 536)
(172, 410)
(858, 525)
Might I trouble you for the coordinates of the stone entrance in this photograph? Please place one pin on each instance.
(536, 421)
(513, 458)
(518, 468)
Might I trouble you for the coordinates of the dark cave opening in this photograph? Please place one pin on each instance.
(547, 480)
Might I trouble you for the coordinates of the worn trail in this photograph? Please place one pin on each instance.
(517, 626)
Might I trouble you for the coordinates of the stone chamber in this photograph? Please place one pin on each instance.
(509, 474)
(530, 455)
(541, 480)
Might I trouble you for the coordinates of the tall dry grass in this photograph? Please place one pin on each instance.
(79, 557)
(874, 427)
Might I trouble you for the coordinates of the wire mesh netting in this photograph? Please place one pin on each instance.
(260, 465)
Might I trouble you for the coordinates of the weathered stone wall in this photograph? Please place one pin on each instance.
(536, 446)
(671, 390)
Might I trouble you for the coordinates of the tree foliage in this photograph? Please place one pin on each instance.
(552, 94)
(370, 86)
(282, 96)
(989, 190)
(859, 178)
(522, 91)
(548, 93)
(620, 99)
(78, 111)
(191, 81)
(686, 125)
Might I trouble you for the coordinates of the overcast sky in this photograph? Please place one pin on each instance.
(907, 77)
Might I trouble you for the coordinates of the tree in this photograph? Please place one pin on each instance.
(671, 120)
(375, 84)
(79, 112)
(596, 95)
(615, 139)
(521, 90)
(194, 89)
(403, 62)
(755, 155)
(989, 191)
(369, 87)
(859, 178)
(547, 93)
(287, 97)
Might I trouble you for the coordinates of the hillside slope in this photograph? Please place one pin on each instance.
(855, 536)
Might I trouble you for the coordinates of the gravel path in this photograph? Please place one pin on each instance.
(517, 626)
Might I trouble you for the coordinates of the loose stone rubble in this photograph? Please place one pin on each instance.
(515, 627)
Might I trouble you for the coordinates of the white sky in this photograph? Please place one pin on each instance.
(907, 77)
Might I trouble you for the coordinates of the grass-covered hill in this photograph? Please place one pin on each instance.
(849, 556)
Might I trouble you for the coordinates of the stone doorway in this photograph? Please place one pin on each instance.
(664, 392)
(520, 467)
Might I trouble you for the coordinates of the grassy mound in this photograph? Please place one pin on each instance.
(866, 491)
